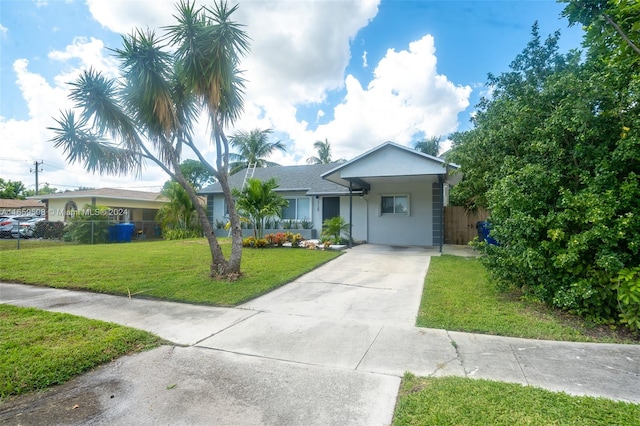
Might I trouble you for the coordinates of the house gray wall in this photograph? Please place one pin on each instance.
(415, 229)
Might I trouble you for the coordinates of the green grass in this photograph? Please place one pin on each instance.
(12, 244)
(462, 401)
(171, 270)
(40, 349)
(459, 297)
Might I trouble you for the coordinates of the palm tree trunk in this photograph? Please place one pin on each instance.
(219, 264)
(235, 258)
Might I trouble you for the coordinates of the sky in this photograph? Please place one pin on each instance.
(356, 73)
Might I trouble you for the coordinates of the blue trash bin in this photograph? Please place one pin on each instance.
(113, 233)
(125, 232)
(483, 228)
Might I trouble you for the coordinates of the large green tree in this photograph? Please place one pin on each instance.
(149, 111)
(430, 146)
(196, 173)
(554, 155)
(253, 148)
(12, 189)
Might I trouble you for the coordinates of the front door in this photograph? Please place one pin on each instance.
(330, 207)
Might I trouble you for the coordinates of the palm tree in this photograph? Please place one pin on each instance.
(259, 201)
(253, 148)
(429, 146)
(148, 113)
(178, 217)
(333, 229)
(324, 153)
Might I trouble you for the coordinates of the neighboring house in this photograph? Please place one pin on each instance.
(390, 195)
(125, 206)
(11, 207)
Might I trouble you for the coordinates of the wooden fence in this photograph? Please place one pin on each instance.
(460, 224)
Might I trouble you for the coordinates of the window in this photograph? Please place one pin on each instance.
(394, 204)
(298, 209)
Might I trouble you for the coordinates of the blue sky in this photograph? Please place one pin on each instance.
(355, 73)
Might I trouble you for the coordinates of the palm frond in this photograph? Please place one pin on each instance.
(80, 145)
(97, 98)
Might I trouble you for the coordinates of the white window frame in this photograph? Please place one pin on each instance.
(308, 213)
(395, 213)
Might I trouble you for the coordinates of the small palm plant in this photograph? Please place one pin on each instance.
(334, 228)
(258, 201)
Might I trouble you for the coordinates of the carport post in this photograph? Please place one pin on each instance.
(350, 214)
(441, 182)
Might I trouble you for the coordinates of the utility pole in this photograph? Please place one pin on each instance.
(35, 170)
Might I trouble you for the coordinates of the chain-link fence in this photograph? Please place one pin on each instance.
(25, 232)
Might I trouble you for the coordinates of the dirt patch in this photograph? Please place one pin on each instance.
(69, 404)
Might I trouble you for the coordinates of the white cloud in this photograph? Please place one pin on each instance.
(406, 97)
(3, 30)
(364, 60)
(84, 53)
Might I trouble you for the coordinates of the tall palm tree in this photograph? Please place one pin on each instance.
(429, 146)
(148, 113)
(253, 148)
(324, 153)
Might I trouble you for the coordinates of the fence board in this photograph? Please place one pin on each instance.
(460, 224)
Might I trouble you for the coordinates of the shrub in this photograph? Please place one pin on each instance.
(48, 230)
(181, 234)
(627, 286)
(333, 228)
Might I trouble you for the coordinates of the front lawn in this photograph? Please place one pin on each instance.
(462, 401)
(170, 270)
(459, 297)
(39, 349)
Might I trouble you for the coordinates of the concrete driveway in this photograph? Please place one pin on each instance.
(327, 349)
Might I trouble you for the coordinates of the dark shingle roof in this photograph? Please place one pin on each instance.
(290, 178)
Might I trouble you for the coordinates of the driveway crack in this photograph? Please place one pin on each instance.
(458, 355)
(524, 376)
(369, 348)
(226, 328)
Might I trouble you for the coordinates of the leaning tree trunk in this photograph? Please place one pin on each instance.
(235, 258)
(219, 264)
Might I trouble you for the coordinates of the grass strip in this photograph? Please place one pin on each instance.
(458, 296)
(170, 270)
(39, 349)
(462, 401)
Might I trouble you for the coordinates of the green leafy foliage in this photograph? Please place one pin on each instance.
(333, 229)
(178, 218)
(12, 189)
(90, 225)
(258, 201)
(627, 286)
(555, 155)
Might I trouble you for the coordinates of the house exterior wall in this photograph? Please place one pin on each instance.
(360, 220)
(216, 208)
(391, 162)
(131, 209)
(414, 229)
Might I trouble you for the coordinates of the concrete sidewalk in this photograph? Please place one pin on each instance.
(329, 348)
